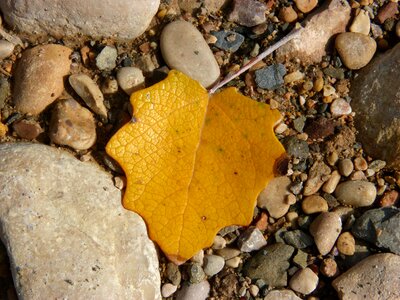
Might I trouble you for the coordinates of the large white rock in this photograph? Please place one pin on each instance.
(66, 232)
(125, 19)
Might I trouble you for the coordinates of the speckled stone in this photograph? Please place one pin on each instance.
(270, 77)
(356, 193)
(304, 281)
(273, 197)
(325, 229)
(228, 40)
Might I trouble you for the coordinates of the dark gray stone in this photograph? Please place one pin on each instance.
(295, 147)
(334, 72)
(299, 123)
(298, 239)
(381, 227)
(270, 77)
(270, 264)
(228, 40)
(376, 100)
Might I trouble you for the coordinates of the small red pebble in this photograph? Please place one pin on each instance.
(389, 198)
(387, 11)
(262, 222)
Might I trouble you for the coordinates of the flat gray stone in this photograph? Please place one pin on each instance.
(376, 277)
(124, 19)
(376, 100)
(66, 232)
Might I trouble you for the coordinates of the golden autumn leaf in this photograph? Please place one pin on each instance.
(194, 163)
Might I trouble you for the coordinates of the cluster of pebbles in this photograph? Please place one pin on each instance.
(328, 223)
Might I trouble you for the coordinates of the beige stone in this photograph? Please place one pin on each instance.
(273, 197)
(361, 23)
(306, 6)
(346, 243)
(304, 281)
(313, 204)
(356, 193)
(325, 229)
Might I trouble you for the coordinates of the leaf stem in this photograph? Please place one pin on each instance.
(293, 34)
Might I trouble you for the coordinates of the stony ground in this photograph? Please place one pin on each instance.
(327, 226)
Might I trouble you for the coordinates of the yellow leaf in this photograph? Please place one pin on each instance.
(194, 164)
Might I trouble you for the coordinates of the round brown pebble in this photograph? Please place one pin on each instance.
(331, 184)
(287, 14)
(360, 164)
(345, 167)
(27, 130)
(389, 198)
(313, 204)
(356, 193)
(304, 281)
(329, 267)
(306, 6)
(346, 243)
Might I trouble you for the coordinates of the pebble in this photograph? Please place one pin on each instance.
(281, 294)
(173, 274)
(389, 198)
(273, 197)
(248, 13)
(213, 264)
(356, 193)
(331, 184)
(377, 165)
(398, 29)
(228, 40)
(72, 125)
(38, 200)
(109, 86)
(270, 264)
(346, 243)
(228, 253)
(168, 290)
(355, 49)
(106, 59)
(39, 77)
(299, 123)
(270, 77)
(375, 277)
(385, 222)
(298, 239)
(184, 49)
(325, 229)
(130, 79)
(281, 128)
(361, 23)
(320, 128)
(314, 204)
(334, 72)
(358, 175)
(233, 262)
(287, 14)
(329, 267)
(340, 107)
(251, 239)
(317, 176)
(345, 167)
(305, 281)
(376, 31)
(120, 182)
(300, 259)
(88, 90)
(6, 49)
(295, 147)
(196, 273)
(360, 164)
(294, 76)
(306, 6)
(219, 243)
(28, 130)
(389, 10)
(125, 19)
(198, 291)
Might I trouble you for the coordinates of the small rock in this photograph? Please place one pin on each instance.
(88, 90)
(39, 77)
(298, 239)
(213, 264)
(375, 277)
(316, 178)
(300, 259)
(168, 290)
(270, 264)
(196, 273)
(306, 6)
(270, 77)
(299, 123)
(295, 147)
(109, 86)
(6, 49)
(398, 29)
(361, 23)
(389, 10)
(106, 59)
(219, 242)
(294, 76)
(273, 197)
(184, 49)
(254, 290)
(310, 45)
(377, 165)
(340, 107)
(173, 274)
(214, 6)
(130, 79)
(189, 5)
(313, 204)
(325, 229)
(346, 243)
(228, 253)
(281, 295)
(334, 72)
(287, 14)
(346, 167)
(355, 49)
(27, 129)
(120, 182)
(304, 281)
(376, 30)
(360, 164)
(228, 40)
(356, 193)
(320, 128)
(389, 198)
(198, 291)
(233, 262)
(250, 240)
(248, 13)
(72, 125)
(329, 267)
(331, 184)
(380, 227)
